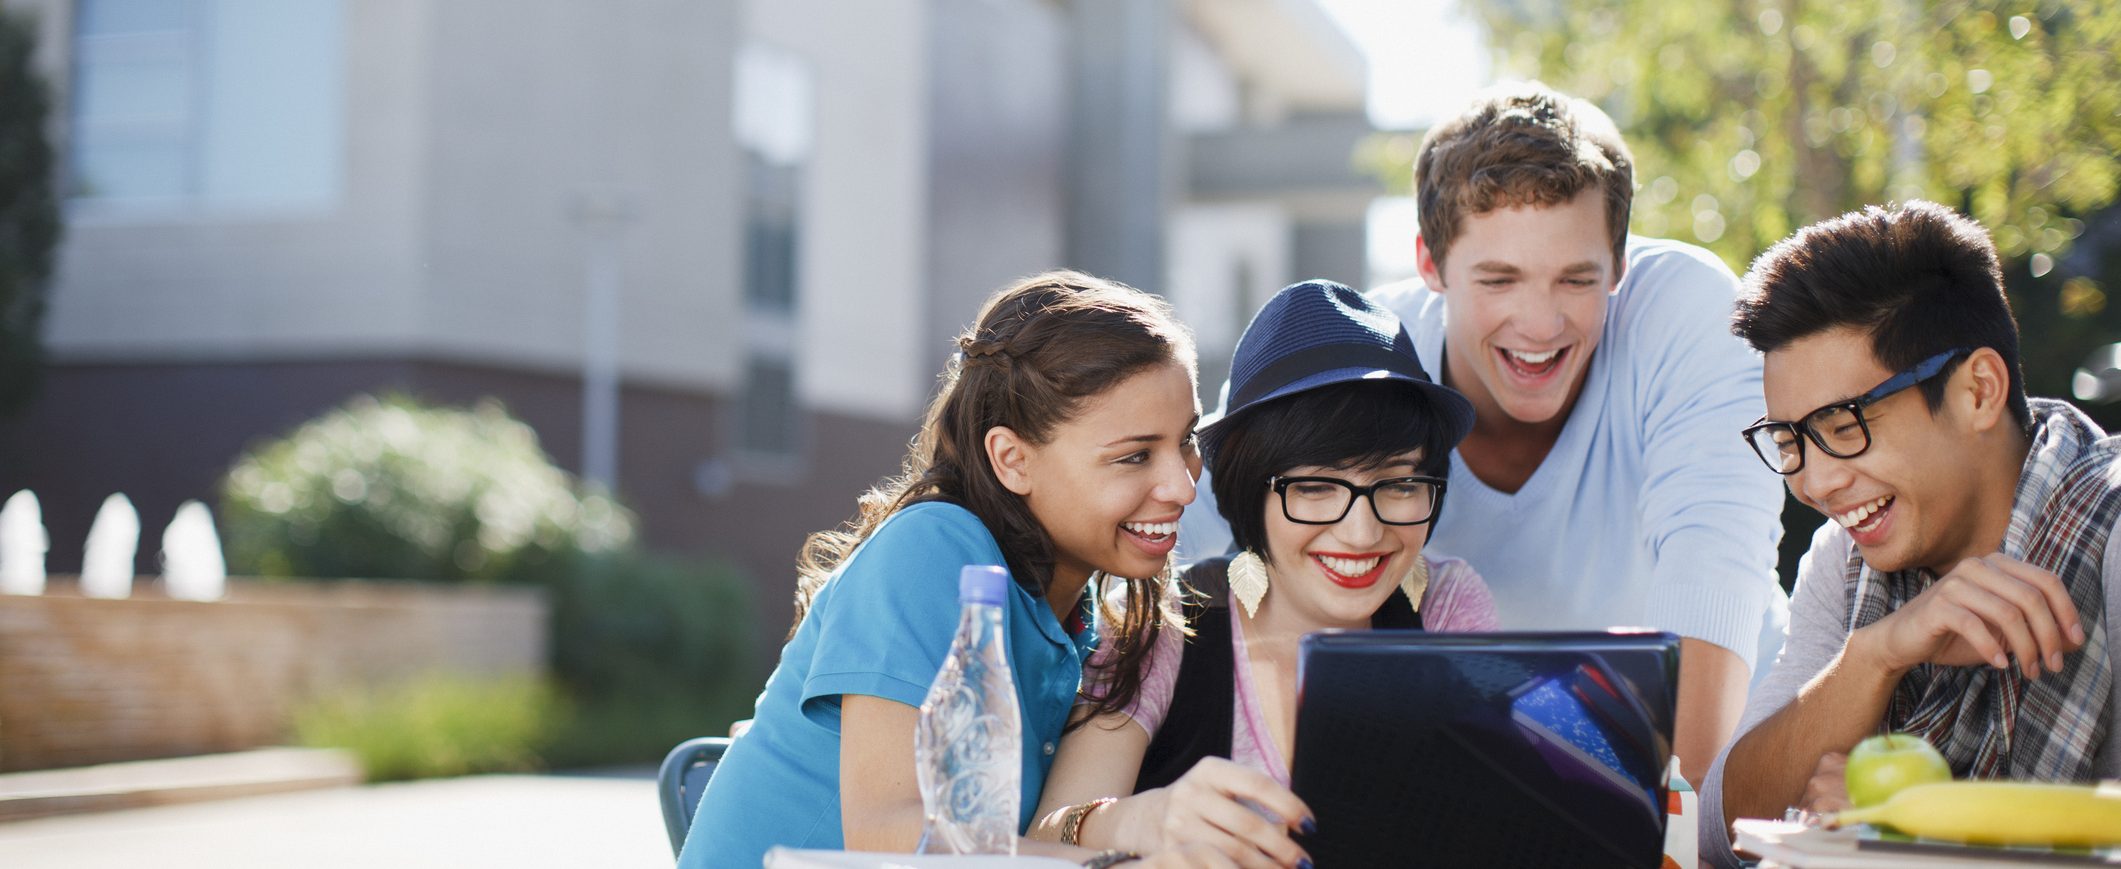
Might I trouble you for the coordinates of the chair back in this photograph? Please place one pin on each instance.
(683, 778)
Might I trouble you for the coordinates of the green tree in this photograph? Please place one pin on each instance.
(29, 213)
(1751, 118)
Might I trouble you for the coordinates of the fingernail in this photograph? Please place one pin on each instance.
(1305, 863)
(1310, 827)
(2000, 662)
(2076, 633)
(2054, 661)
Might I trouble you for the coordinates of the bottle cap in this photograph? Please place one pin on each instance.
(983, 583)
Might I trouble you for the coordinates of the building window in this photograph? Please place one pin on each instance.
(206, 104)
(769, 235)
(774, 106)
(770, 419)
(773, 130)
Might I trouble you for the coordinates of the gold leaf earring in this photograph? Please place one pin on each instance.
(1248, 580)
(1416, 581)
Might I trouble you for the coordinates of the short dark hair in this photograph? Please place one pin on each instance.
(1919, 277)
(1356, 424)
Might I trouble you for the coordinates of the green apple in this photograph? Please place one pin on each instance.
(1882, 765)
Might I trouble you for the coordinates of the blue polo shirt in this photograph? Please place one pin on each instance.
(880, 626)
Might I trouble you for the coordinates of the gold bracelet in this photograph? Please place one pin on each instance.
(1071, 832)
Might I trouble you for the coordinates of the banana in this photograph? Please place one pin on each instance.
(2001, 813)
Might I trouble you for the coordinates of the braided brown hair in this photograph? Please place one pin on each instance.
(1039, 349)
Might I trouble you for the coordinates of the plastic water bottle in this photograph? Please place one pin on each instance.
(967, 746)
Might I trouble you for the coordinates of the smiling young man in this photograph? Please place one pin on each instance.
(1972, 535)
(1596, 488)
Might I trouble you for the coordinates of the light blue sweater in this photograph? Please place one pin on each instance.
(1649, 511)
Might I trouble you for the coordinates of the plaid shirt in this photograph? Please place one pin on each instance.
(1993, 723)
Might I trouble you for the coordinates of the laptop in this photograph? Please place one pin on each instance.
(1504, 749)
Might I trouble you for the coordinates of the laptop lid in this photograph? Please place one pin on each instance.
(1505, 749)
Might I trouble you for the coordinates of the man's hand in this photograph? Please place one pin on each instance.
(1828, 790)
(1984, 610)
(1712, 684)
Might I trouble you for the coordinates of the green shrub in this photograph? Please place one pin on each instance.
(636, 729)
(647, 650)
(391, 489)
(653, 650)
(439, 724)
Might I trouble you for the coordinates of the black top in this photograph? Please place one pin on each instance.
(1199, 721)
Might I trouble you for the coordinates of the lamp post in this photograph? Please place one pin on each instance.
(604, 216)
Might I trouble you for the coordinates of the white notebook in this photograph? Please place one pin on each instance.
(792, 858)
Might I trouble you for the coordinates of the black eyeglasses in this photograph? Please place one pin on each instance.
(1326, 500)
(1838, 429)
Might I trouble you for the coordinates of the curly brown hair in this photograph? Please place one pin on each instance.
(1039, 349)
(1520, 144)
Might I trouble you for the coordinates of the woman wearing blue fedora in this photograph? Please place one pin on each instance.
(1329, 465)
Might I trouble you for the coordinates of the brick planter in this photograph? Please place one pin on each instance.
(86, 681)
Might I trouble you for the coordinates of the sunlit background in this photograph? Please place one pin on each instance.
(607, 304)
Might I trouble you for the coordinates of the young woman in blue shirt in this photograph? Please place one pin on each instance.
(1060, 445)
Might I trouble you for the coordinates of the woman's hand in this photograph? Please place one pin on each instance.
(1236, 810)
(1186, 857)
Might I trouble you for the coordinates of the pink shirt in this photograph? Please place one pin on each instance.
(1456, 601)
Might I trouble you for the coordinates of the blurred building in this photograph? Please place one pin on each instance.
(713, 251)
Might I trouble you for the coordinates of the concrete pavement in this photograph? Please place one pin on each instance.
(165, 781)
(519, 822)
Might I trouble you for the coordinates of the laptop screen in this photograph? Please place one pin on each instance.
(1420, 749)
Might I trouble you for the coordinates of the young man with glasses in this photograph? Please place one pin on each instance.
(1967, 586)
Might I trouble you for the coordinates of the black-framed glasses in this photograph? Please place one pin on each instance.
(1326, 500)
(1838, 429)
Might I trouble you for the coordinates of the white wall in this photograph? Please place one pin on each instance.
(999, 126)
(537, 108)
(473, 127)
(1205, 92)
(1211, 246)
(208, 283)
(861, 267)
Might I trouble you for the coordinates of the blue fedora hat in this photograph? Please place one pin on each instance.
(1318, 333)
